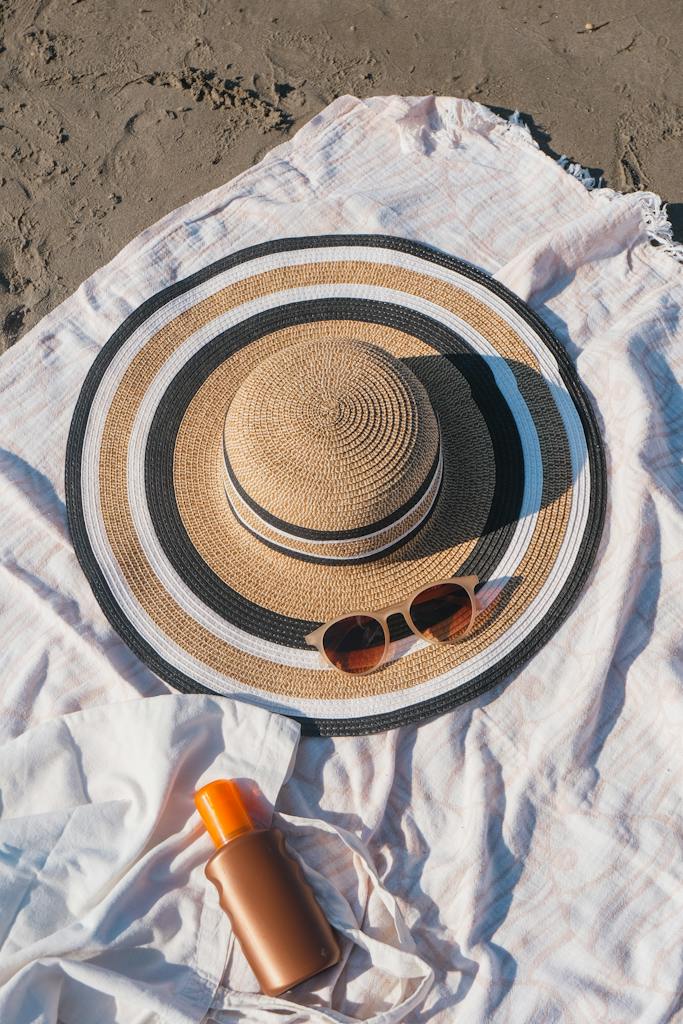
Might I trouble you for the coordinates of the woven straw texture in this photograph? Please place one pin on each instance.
(333, 437)
(328, 423)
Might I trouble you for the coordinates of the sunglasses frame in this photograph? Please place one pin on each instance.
(468, 583)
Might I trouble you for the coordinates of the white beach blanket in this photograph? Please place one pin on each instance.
(104, 909)
(516, 860)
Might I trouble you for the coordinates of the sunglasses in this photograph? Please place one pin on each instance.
(442, 613)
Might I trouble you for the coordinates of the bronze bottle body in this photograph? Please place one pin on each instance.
(274, 914)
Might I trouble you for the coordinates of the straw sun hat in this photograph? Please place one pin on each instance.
(317, 425)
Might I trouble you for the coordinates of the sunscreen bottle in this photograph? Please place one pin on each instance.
(282, 931)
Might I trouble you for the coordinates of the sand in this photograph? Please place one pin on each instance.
(113, 112)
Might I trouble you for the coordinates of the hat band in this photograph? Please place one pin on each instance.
(336, 546)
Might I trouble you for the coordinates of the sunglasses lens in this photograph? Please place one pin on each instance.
(355, 644)
(442, 612)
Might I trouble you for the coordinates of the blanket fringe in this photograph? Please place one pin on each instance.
(581, 174)
(659, 227)
(652, 209)
(520, 129)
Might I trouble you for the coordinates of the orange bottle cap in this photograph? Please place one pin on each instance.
(222, 808)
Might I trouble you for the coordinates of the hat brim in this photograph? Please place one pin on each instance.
(209, 606)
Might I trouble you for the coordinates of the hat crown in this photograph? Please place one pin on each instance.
(335, 438)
